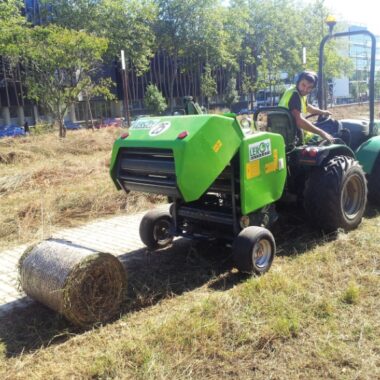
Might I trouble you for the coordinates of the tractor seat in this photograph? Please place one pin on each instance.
(283, 124)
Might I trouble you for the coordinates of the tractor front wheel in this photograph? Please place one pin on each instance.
(156, 229)
(253, 250)
(335, 194)
(374, 183)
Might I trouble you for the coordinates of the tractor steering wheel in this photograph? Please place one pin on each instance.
(321, 119)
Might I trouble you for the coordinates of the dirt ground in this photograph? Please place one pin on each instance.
(354, 111)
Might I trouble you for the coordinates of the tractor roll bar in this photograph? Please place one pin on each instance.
(321, 97)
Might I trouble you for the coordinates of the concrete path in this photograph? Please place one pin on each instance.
(118, 236)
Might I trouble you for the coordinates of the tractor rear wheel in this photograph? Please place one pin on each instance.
(374, 183)
(156, 229)
(253, 250)
(335, 194)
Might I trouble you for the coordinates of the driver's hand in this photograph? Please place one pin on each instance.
(326, 113)
(327, 136)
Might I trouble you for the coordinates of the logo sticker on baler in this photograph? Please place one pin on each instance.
(159, 128)
(143, 124)
(259, 150)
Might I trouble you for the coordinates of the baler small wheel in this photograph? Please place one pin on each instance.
(253, 250)
(156, 229)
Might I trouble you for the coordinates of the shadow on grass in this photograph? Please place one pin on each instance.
(153, 276)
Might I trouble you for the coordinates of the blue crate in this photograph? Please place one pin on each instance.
(72, 126)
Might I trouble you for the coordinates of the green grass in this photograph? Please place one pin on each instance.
(188, 313)
(314, 315)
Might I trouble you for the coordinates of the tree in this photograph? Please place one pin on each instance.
(192, 28)
(154, 101)
(208, 84)
(12, 28)
(377, 84)
(71, 14)
(231, 94)
(60, 65)
(247, 87)
(127, 24)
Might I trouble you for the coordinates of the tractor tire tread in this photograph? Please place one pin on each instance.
(323, 191)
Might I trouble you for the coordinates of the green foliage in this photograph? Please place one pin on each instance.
(102, 365)
(254, 38)
(208, 83)
(231, 94)
(195, 29)
(324, 309)
(112, 19)
(285, 326)
(154, 101)
(351, 295)
(128, 25)
(42, 128)
(77, 15)
(61, 64)
(247, 84)
(377, 84)
(273, 35)
(354, 92)
(12, 28)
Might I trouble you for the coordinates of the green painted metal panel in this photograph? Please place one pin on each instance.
(210, 144)
(368, 152)
(262, 170)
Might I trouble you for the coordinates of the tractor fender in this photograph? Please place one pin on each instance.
(321, 154)
(368, 152)
(338, 150)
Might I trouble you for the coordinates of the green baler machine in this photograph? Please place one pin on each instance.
(222, 182)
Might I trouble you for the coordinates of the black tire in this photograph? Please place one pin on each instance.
(374, 183)
(156, 229)
(335, 194)
(253, 250)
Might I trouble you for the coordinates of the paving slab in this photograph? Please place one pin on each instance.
(118, 236)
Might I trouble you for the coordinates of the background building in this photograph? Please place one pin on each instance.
(355, 87)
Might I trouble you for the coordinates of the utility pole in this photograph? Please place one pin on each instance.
(125, 89)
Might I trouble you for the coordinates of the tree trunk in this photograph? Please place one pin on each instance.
(62, 128)
(171, 83)
(90, 112)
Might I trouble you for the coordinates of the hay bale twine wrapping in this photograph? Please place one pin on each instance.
(82, 284)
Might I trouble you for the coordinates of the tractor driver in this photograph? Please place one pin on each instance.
(295, 100)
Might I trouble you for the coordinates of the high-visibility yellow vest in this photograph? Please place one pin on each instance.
(284, 101)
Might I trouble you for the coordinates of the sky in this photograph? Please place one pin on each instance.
(362, 12)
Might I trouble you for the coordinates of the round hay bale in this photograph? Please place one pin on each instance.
(84, 285)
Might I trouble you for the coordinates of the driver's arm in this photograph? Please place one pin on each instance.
(316, 111)
(307, 126)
